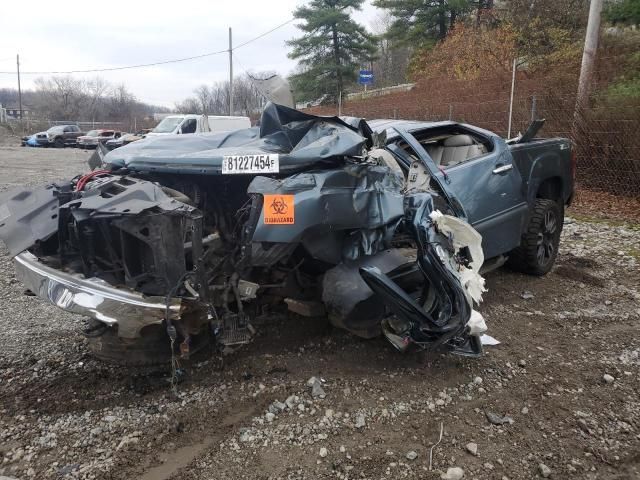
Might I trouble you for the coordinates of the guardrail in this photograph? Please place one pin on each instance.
(377, 92)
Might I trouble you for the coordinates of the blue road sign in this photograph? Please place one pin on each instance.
(365, 77)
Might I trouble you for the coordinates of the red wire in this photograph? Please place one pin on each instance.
(85, 179)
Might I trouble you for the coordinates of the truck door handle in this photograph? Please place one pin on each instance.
(502, 168)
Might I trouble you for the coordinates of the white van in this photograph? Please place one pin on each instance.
(193, 123)
(219, 123)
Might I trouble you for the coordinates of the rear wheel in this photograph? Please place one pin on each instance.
(539, 246)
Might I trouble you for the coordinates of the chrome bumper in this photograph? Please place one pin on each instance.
(93, 297)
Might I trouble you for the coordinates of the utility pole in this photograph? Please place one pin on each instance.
(513, 87)
(19, 89)
(230, 74)
(588, 56)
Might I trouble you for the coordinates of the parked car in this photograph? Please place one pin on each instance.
(95, 137)
(192, 123)
(126, 138)
(30, 141)
(59, 136)
(383, 226)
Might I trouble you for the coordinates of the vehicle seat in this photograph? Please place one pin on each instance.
(435, 152)
(459, 148)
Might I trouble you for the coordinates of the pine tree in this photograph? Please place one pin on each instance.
(332, 48)
(420, 22)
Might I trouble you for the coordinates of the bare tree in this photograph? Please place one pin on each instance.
(393, 58)
(121, 103)
(60, 97)
(76, 100)
(96, 89)
(203, 96)
(188, 105)
(214, 100)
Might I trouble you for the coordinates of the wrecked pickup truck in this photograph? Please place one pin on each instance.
(382, 226)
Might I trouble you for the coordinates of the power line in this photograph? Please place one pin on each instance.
(265, 33)
(144, 65)
(251, 79)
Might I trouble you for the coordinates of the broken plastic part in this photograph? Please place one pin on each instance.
(247, 290)
(462, 235)
(476, 324)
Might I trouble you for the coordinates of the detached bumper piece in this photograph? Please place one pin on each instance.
(440, 321)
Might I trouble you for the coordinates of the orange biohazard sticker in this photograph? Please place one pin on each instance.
(279, 210)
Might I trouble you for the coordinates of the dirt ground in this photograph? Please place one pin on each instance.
(566, 373)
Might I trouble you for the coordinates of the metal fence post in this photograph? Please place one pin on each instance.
(533, 108)
(513, 86)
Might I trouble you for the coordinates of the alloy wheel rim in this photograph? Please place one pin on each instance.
(546, 238)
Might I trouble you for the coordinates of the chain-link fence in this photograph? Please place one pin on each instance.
(605, 133)
(30, 125)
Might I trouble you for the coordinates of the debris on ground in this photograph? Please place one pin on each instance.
(496, 419)
(472, 448)
(316, 388)
(453, 473)
(488, 340)
(544, 470)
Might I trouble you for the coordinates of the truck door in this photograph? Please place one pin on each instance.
(188, 126)
(485, 181)
(490, 188)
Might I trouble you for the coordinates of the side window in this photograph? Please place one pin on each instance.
(449, 147)
(460, 148)
(189, 126)
(117, 135)
(67, 129)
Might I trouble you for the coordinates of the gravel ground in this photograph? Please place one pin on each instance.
(562, 389)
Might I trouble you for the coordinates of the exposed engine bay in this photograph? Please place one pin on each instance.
(202, 234)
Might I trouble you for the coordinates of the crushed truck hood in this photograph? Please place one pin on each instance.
(301, 140)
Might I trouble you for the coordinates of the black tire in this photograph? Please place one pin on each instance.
(539, 244)
(153, 347)
(58, 142)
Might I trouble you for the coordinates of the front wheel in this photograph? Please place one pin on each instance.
(539, 245)
(58, 142)
(153, 347)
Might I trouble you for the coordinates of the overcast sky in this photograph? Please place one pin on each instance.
(84, 35)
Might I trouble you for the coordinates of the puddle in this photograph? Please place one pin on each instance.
(174, 461)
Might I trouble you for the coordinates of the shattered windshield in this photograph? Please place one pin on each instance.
(168, 125)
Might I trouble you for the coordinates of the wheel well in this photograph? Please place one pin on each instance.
(551, 189)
